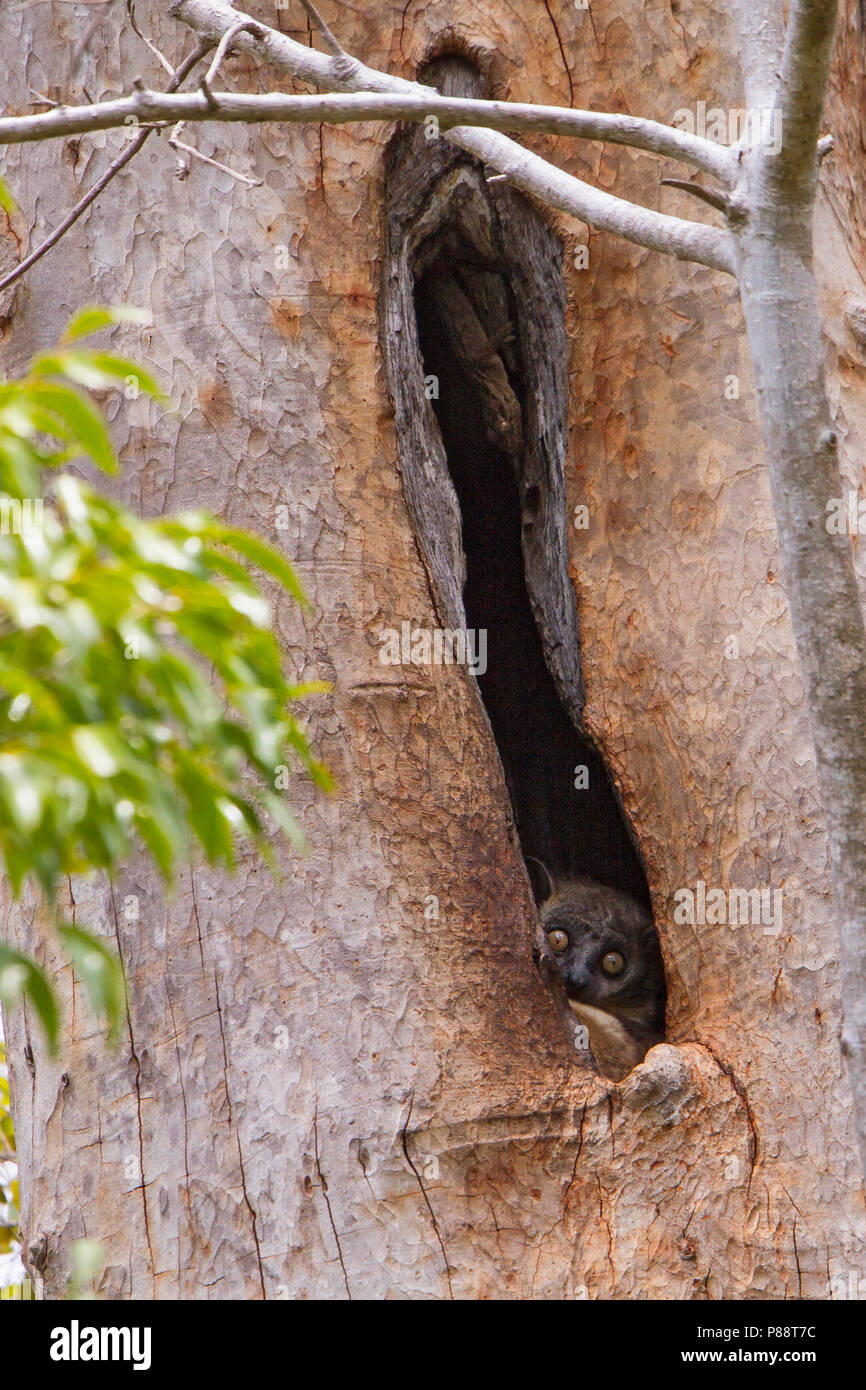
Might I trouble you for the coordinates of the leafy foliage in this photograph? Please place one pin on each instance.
(8, 1173)
(142, 695)
(87, 1258)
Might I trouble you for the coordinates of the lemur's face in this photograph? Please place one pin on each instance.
(604, 946)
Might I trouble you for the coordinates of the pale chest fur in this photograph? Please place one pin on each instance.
(613, 1047)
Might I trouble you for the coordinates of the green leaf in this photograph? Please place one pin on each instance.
(21, 976)
(96, 370)
(261, 554)
(206, 817)
(7, 201)
(83, 422)
(96, 316)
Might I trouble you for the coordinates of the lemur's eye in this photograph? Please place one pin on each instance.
(557, 940)
(612, 963)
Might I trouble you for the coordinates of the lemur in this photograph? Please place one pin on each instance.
(606, 950)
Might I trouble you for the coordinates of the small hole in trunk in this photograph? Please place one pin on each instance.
(565, 808)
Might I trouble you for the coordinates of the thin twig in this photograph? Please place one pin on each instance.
(331, 42)
(714, 196)
(176, 143)
(225, 43)
(93, 193)
(206, 159)
(174, 138)
(825, 146)
(160, 57)
(42, 100)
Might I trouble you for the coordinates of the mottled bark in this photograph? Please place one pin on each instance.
(354, 1082)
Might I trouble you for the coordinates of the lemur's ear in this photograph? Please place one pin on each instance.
(540, 878)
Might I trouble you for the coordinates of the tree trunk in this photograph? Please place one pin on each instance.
(354, 1081)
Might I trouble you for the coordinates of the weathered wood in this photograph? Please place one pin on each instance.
(434, 194)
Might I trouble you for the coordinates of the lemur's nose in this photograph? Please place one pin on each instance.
(578, 977)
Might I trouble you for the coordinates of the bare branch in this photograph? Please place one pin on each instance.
(686, 240)
(419, 103)
(383, 97)
(802, 88)
(210, 18)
